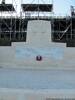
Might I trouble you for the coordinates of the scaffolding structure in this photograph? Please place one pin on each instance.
(63, 29)
(13, 28)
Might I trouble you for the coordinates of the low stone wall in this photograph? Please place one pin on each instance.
(18, 94)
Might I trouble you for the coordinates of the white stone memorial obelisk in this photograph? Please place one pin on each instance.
(39, 33)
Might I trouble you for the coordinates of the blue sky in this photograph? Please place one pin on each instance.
(61, 7)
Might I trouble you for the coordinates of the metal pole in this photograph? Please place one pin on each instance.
(52, 20)
(11, 22)
(71, 28)
(71, 22)
(38, 9)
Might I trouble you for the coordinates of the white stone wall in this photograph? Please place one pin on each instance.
(23, 54)
(18, 94)
(39, 33)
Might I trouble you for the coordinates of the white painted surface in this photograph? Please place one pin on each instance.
(23, 55)
(55, 53)
(36, 84)
(39, 33)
